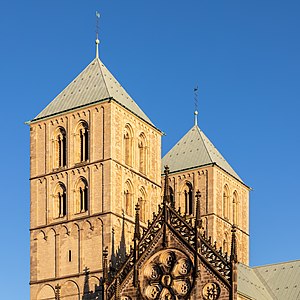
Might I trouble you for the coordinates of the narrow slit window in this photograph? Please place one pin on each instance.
(188, 195)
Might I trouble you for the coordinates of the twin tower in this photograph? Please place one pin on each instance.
(94, 154)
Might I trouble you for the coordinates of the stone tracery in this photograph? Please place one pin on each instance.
(167, 275)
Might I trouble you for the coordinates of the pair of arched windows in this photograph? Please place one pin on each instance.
(130, 203)
(141, 152)
(60, 198)
(60, 201)
(227, 206)
(81, 196)
(188, 201)
(82, 142)
(60, 148)
(81, 145)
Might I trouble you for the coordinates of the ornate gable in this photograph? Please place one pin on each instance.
(173, 259)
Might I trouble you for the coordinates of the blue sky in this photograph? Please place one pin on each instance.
(245, 57)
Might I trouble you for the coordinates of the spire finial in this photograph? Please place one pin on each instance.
(97, 42)
(196, 104)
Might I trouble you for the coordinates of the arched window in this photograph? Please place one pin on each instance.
(82, 142)
(81, 196)
(142, 203)
(128, 195)
(60, 148)
(172, 199)
(226, 202)
(60, 201)
(142, 155)
(188, 197)
(235, 208)
(128, 145)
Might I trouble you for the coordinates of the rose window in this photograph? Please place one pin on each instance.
(167, 275)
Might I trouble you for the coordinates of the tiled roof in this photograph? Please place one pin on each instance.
(95, 83)
(195, 150)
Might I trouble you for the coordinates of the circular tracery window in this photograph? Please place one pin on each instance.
(167, 275)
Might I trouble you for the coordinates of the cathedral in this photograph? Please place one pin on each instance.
(111, 219)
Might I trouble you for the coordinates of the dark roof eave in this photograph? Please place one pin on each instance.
(89, 104)
(67, 110)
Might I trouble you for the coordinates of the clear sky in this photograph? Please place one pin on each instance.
(245, 57)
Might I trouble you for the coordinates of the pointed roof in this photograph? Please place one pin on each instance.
(195, 150)
(94, 84)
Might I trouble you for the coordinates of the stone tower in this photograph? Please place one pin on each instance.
(195, 164)
(93, 155)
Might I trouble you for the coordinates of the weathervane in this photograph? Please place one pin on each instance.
(97, 34)
(196, 104)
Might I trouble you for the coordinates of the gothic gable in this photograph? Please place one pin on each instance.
(173, 260)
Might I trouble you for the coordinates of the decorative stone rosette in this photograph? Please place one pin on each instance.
(167, 275)
(211, 291)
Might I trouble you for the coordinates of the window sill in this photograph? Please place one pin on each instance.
(81, 213)
(59, 219)
(59, 169)
(81, 163)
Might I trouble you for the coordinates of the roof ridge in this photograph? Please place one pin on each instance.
(200, 131)
(269, 290)
(100, 62)
(63, 90)
(276, 264)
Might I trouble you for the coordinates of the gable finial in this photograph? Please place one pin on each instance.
(105, 265)
(137, 234)
(57, 292)
(198, 212)
(166, 191)
(97, 41)
(233, 255)
(196, 104)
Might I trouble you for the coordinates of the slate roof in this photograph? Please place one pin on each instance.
(94, 84)
(195, 150)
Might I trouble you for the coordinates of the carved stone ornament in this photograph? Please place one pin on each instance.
(211, 291)
(167, 275)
